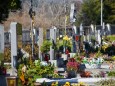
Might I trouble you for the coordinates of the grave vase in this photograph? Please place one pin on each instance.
(72, 74)
(12, 81)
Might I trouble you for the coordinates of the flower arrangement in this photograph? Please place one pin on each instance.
(72, 64)
(30, 72)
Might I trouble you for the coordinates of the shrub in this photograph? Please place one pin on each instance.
(111, 73)
(34, 71)
(46, 46)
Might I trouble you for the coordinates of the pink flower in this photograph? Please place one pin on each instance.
(72, 65)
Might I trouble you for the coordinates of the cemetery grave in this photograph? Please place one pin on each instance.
(54, 69)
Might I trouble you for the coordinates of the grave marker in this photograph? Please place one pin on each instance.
(40, 41)
(1, 39)
(15, 30)
(13, 42)
(1, 43)
(52, 38)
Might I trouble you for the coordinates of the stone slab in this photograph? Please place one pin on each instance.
(1, 39)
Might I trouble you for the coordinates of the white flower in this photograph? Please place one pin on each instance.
(24, 68)
(43, 63)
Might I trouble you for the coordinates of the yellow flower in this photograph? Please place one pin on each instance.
(81, 83)
(65, 38)
(113, 57)
(56, 83)
(67, 84)
(53, 84)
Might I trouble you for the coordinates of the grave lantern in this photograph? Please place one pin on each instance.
(77, 38)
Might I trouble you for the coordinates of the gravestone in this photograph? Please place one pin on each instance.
(53, 62)
(99, 36)
(60, 62)
(88, 35)
(53, 39)
(64, 56)
(112, 29)
(15, 31)
(81, 29)
(96, 33)
(13, 42)
(48, 34)
(40, 41)
(99, 33)
(1, 39)
(6, 37)
(26, 36)
(1, 44)
(72, 13)
(36, 35)
(108, 29)
(74, 32)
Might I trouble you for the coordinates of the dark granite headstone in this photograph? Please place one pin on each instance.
(60, 62)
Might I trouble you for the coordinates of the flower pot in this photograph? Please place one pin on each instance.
(12, 81)
(72, 74)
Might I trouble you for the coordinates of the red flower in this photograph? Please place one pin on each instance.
(3, 69)
(72, 64)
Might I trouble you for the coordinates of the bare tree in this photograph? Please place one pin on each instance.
(48, 13)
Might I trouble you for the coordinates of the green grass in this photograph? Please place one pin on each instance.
(109, 38)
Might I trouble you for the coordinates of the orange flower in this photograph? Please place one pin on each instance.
(22, 78)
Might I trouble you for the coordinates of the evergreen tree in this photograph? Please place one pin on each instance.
(91, 12)
(6, 6)
(109, 11)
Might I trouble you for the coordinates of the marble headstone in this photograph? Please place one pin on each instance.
(40, 41)
(13, 42)
(53, 62)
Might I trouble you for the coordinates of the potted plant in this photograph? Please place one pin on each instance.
(72, 67)
(45, 46)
